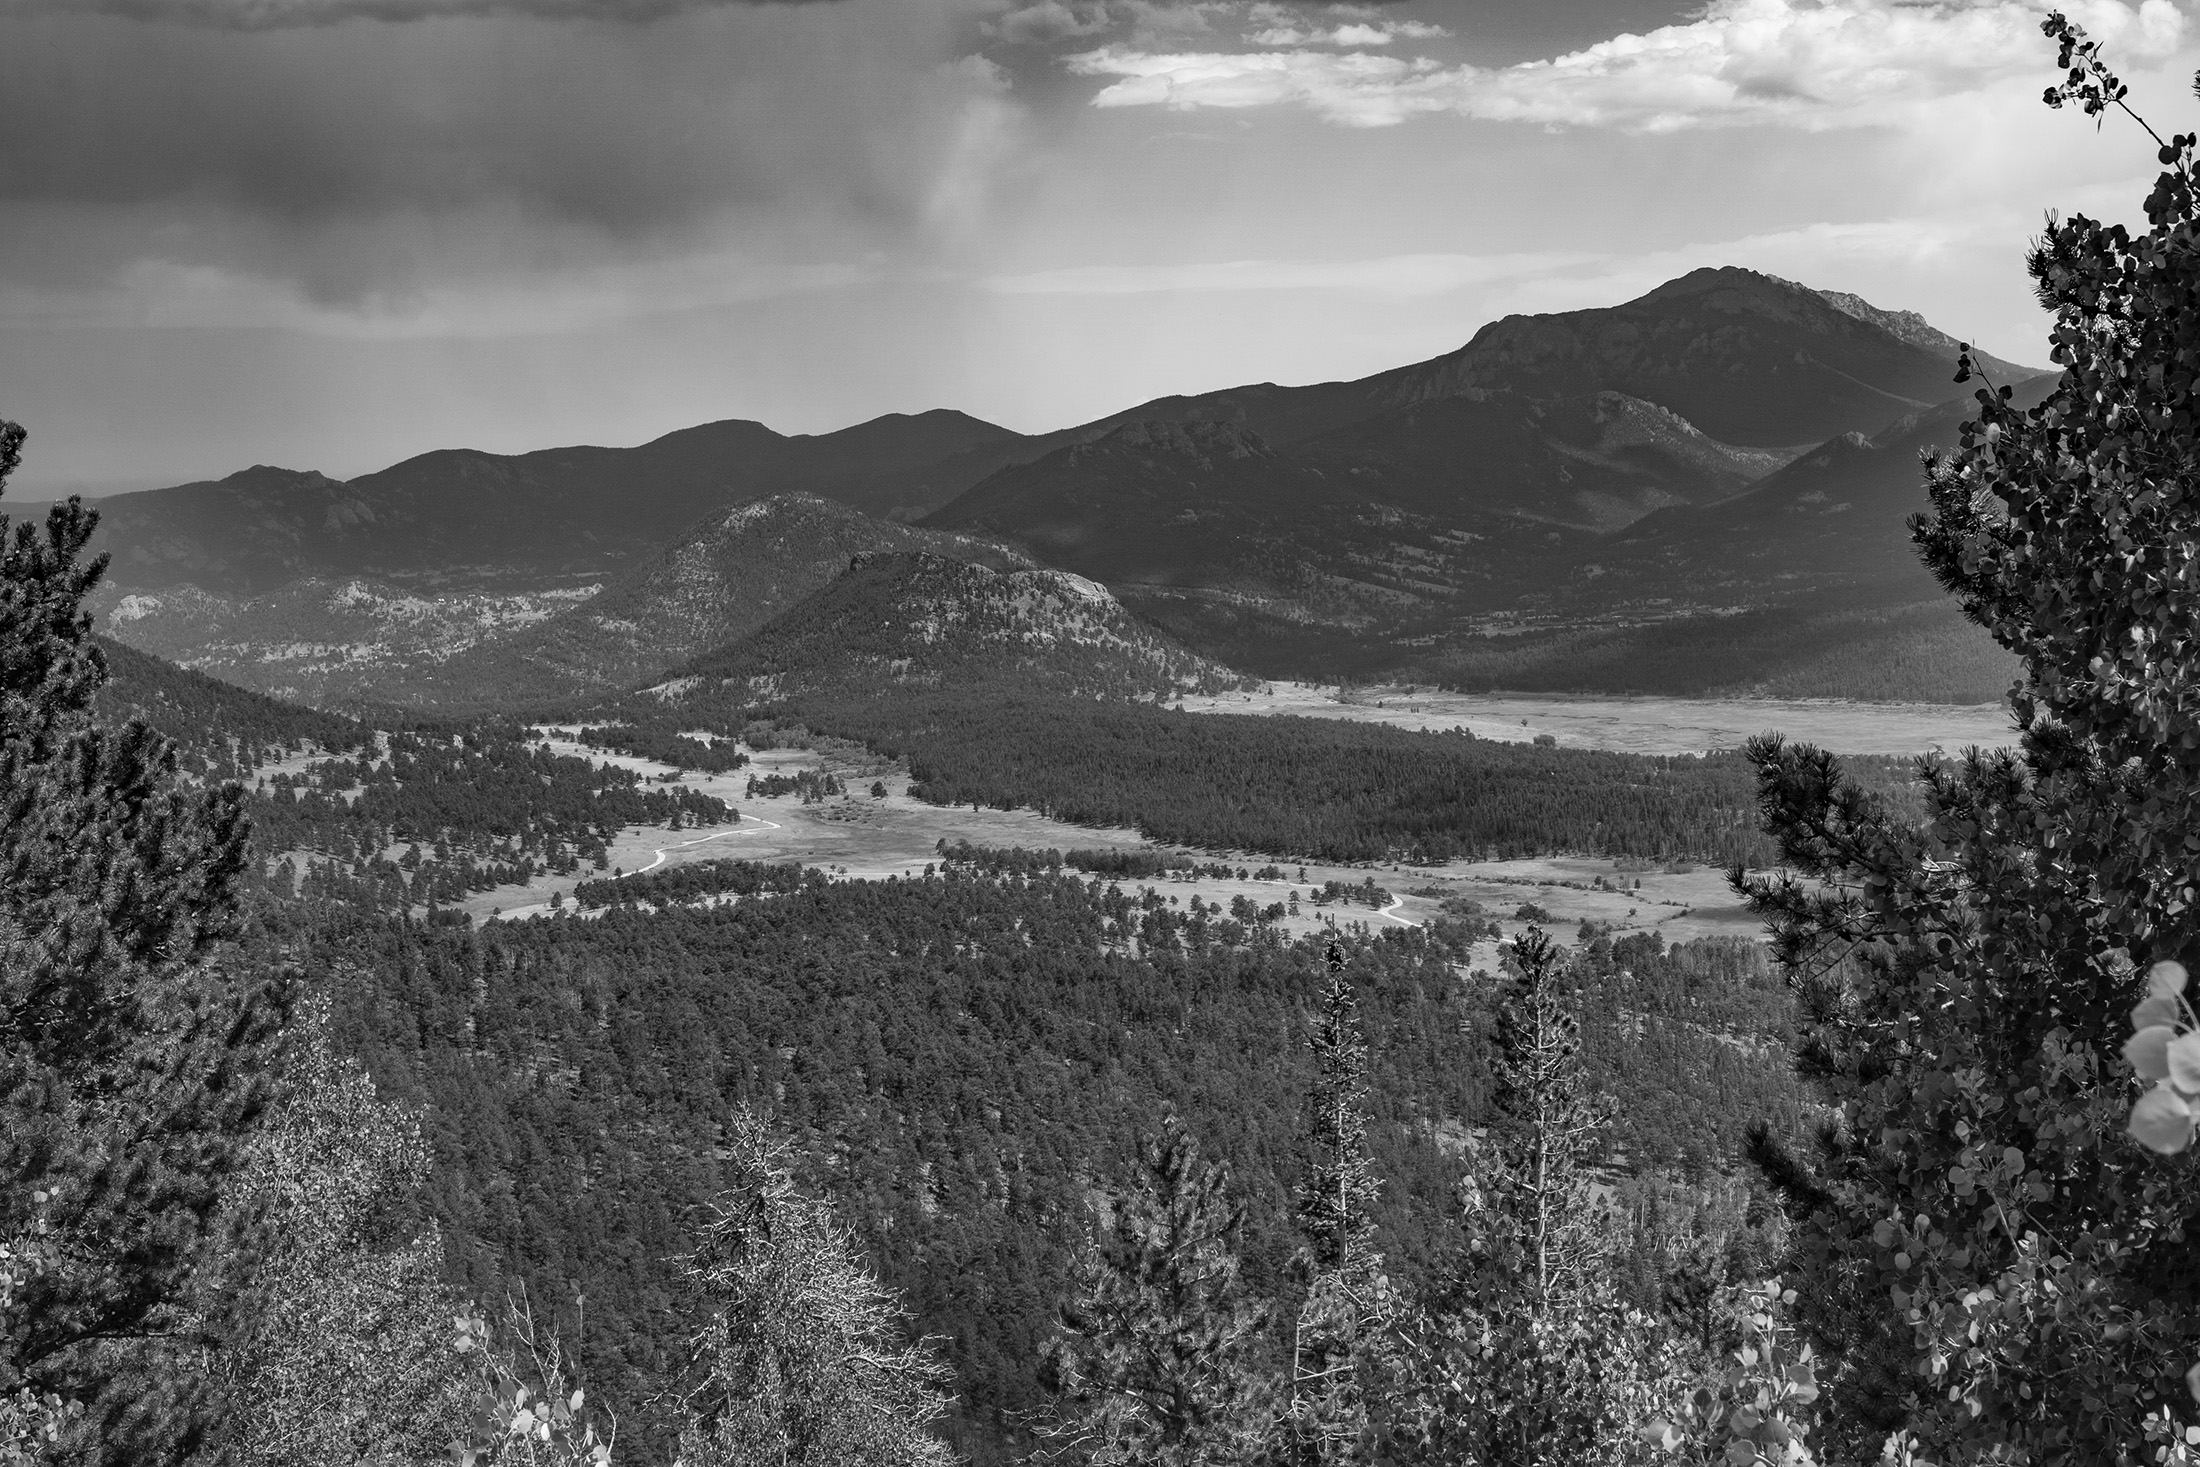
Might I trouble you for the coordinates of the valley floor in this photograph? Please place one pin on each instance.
(858, 836)
(1638, 725)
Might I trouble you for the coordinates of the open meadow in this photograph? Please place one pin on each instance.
(858, 835)
(1636, 725)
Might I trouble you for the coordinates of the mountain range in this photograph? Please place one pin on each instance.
(1600, 499)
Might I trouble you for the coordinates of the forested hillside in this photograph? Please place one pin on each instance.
(235, 730)
(964, 1061)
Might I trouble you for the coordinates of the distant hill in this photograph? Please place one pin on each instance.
(232, 728)
(919, 621)
(327, 642)
(722, 579)
(462, 518)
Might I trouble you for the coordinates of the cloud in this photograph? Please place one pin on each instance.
(489, 176)
(253, 15)
(524, 302)
(1908, 261)
(1047, 22)
(1395, 276)
(1839, 63)
(1355, 34)
(630, 132)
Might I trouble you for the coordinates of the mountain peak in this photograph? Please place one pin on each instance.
(269, 476)
(1734, 290)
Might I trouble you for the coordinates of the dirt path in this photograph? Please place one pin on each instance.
(664, 853)
(1391, 912)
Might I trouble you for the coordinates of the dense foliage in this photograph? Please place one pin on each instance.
(695, 881)
(955, 1059)
(127, 1059)
(1158, 1357)
(1998, 1271)
(666, 744)
(1315, 788)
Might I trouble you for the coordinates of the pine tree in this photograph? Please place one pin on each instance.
(1527, 1356)
(1157, 1364)
(129, 1064)
(1997, 1270)
(800, 1360)
(1347, 1304)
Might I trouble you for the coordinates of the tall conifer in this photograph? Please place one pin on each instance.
(1158, 1361)
(128, 1063)
(1347, 1302)
(1527, 1358)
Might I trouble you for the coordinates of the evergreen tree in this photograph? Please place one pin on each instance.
(1347, 1304)
(800, 1361)
(129, 1064)
(1999, 1272)
(1157, 1364)
(1528, 1355)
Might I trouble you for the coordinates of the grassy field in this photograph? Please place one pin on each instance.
(854, 835)
(859, 836)
(1638, 725)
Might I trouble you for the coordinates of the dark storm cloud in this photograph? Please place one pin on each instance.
(247, 15)
(628, 131)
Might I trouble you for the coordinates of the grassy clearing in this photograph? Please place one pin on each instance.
(860, 837)
(1638, 725)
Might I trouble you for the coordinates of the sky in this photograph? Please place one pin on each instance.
(330, 234)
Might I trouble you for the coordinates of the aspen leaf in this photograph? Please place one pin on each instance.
(2166, 980)
(2184, 1062)
(2156, 1010)
(2148, 1051)
(2162, 1121)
